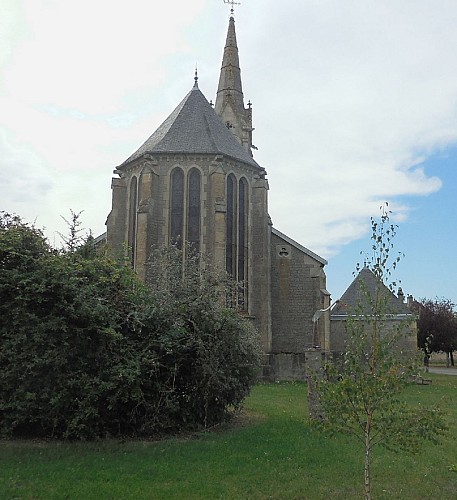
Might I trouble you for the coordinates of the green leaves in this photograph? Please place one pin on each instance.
(86, 350)
(360, 395)
(437, 325)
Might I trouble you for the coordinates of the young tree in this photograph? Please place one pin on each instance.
(74, 239)
(360, 395)
(437, 327)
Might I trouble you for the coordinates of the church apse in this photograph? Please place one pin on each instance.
(195, 180)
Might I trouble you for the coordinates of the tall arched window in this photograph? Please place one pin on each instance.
(193, 210)
(177, 207)
(236, 249)
(230, 239)
(242, 249)
(133, 206)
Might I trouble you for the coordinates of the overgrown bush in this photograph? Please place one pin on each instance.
(87, 351)
(219, 352)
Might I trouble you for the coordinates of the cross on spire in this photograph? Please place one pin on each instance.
(232, 3)
(196, 77)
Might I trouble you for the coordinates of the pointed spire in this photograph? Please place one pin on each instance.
(230, 78)
(229, 103)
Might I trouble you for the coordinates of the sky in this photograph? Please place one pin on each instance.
(354, 105)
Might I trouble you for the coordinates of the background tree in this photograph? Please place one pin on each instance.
(360, 396)
(437, 327)
(74, 239)
(87, 350)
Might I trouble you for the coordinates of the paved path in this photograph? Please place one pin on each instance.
(442, 370)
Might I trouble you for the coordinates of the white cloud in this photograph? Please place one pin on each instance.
(348, 99)
(88, 55)
(356, 94)
(25, 179)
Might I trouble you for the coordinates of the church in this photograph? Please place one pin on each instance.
(195, 179)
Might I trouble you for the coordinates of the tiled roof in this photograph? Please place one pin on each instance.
(194, 127)
(355, 300)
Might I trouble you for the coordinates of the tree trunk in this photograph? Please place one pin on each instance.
(447, 359)
(367, 463)
(451, 354)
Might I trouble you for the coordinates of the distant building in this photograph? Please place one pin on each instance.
(357, 303)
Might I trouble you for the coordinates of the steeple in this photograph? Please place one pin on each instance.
(230, 78)
(229, 99)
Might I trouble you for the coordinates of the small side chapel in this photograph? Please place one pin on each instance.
(195, 179)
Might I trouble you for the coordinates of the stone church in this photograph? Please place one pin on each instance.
(195, 179)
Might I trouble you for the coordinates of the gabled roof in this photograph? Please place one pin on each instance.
(354, 299)
(299, 247)
(194, 127)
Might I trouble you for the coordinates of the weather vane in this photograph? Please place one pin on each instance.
(232, 3)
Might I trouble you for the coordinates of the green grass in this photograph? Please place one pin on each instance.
(272, 452)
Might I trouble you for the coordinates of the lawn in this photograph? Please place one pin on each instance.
(270, 452)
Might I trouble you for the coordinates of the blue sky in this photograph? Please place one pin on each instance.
(427, 239)
(354, 104)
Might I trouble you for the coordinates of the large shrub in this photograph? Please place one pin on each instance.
(215, 351)
(86, 350)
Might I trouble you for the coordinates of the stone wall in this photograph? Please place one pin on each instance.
(293, 366)
(297, 284)
(407, 343)
(152, 173)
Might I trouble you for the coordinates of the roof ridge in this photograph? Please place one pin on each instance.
(366, 282)
(297, 245)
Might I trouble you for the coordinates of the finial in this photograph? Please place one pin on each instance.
(196, 77)
(232, 3)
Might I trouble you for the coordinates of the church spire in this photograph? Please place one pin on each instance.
(229, 99)
(230, 78)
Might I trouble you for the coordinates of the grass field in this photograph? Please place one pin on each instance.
(271, 452)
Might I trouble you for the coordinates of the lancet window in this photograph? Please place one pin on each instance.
(236, 250)
(177, 207)
(133, 208)
(230, 241)
(193, 209)
(185, 208)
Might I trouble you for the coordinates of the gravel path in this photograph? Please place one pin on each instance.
(443, 370)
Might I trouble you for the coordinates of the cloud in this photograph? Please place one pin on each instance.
(42, 195)
(83, 55)
(24, 177)
(349, 99)
(26, 182)
(75, 94)
(355, 96)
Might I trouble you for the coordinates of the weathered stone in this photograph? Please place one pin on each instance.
(284, 282)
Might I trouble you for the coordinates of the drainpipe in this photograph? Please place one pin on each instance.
(316, 316)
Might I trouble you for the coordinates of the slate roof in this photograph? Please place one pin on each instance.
(194, 127)
(355, 295)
